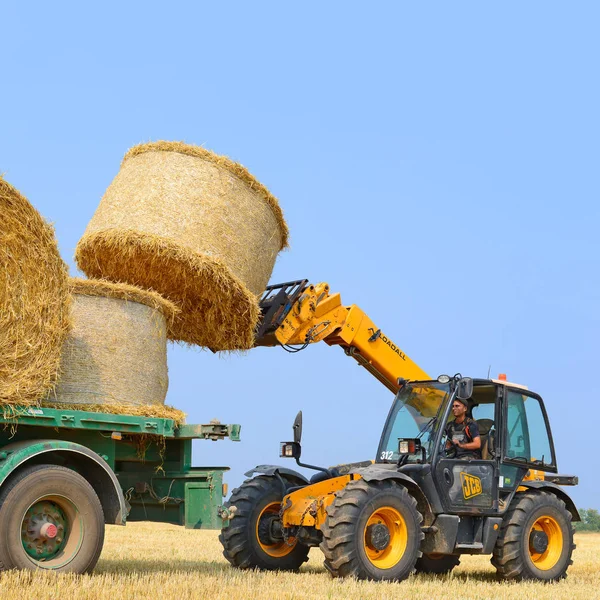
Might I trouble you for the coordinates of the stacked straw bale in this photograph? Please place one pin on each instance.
(34, 301)
(115, 358)
(195, 227)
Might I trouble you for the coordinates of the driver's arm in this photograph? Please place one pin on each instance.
(474, 445)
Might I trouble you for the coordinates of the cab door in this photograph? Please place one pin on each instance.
(471, 486)
(467, 486)
(527, 440)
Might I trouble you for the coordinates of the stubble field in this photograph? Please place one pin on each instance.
(146, 560)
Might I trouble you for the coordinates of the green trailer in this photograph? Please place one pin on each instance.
(64, 474)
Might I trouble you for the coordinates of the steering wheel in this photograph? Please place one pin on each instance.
(450, 452)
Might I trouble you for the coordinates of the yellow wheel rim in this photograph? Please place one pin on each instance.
(551, 555)
(389, 556)
(281, 548)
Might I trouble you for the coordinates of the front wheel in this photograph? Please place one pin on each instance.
(372, 531)
(536, 539)
(254, 537)
(51, 519)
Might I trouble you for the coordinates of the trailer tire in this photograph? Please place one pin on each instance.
(535, 539)
(257, 501)
(50, 519)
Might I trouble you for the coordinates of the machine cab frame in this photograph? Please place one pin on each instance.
(514, 431)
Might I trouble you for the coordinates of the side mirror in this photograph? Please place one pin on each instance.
(293, 449)
(298, 427)
(465, 388)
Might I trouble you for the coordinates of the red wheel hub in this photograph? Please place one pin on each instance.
(48, 530)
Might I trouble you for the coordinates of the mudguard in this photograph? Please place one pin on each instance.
(381, 472)
(106, 485)
(273, 469)
(557, 491)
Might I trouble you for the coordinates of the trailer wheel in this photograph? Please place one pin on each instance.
(372, 531)
(50, 518)
(437, 563)
(535, 540)
(253, 537)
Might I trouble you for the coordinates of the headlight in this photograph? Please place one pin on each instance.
(410, 446)
(289, 450)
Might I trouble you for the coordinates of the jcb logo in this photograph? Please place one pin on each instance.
(471, 485)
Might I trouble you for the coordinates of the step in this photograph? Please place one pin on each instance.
(475, 546)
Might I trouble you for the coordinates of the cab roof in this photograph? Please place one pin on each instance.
(510, 383)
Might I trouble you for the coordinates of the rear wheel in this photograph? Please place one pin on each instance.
(437, 563)
(372, 531)
(50, 518)
(536, 539)
(254, 536)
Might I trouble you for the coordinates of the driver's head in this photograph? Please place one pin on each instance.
(459, 407)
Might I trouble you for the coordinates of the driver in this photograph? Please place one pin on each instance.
(463, 433)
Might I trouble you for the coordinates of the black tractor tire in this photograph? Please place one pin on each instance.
(351, 545)
(437, 563)
(52, 496)
(515, 555)
(254, 501)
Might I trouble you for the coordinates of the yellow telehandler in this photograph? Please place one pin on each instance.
(417, 506)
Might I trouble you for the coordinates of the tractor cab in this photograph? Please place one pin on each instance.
(515, 441)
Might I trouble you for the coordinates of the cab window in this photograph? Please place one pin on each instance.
(527, 438)
(484, 411)
(484, 403)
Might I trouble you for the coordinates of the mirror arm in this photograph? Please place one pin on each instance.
(297, 428)
(313, 467)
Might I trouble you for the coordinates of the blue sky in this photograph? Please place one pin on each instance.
(437, 165)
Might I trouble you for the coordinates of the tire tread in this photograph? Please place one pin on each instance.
(509, 556)
(339, 536)
(237, 546)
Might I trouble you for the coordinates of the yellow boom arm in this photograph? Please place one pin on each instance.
(315, 315)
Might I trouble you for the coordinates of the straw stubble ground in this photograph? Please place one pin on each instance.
(146, 560)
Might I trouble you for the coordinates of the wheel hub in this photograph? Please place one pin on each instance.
(377, 536)
(538, 541)
(43, 530)
(269, 529)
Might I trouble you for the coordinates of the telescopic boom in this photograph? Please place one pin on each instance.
(297, 313)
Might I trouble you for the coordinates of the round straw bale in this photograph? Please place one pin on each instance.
(34, 301)
(197, 228)
(116, 354)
